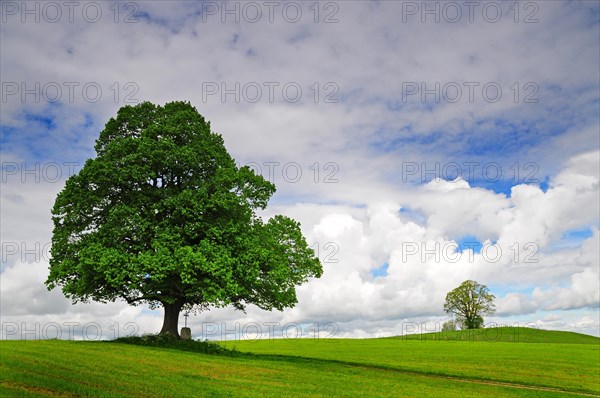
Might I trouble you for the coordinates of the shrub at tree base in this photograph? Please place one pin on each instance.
(167, 340)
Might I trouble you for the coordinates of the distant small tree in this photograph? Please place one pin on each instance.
(468, 303)
(449, 326)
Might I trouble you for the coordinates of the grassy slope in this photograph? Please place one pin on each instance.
(573, 364)
(68, 368)
(507, 334)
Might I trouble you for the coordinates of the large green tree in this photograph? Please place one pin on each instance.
(162, 215)
(469, 302)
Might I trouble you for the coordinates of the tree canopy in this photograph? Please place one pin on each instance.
(162, 215)
(468, 303)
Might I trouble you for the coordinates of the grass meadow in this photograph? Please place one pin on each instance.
(434, 365)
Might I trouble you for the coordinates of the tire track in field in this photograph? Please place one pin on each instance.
(456, 378)
(504, 384)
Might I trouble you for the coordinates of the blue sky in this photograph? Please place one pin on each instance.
(409, 133)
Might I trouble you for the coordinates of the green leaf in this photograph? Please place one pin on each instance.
(163, 215)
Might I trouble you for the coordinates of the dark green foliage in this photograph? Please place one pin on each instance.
(163, 215)
(166, 340)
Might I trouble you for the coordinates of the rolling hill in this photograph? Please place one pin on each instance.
(559, 364)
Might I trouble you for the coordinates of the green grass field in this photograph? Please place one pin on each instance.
(557, 364)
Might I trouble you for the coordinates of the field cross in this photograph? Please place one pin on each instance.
(186, 317)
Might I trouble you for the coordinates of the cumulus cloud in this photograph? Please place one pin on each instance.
(359, 159)
(423, 262)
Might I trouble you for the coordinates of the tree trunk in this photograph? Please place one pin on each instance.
(171, 319)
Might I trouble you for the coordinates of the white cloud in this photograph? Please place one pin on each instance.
(423, 262)
(351, 154)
